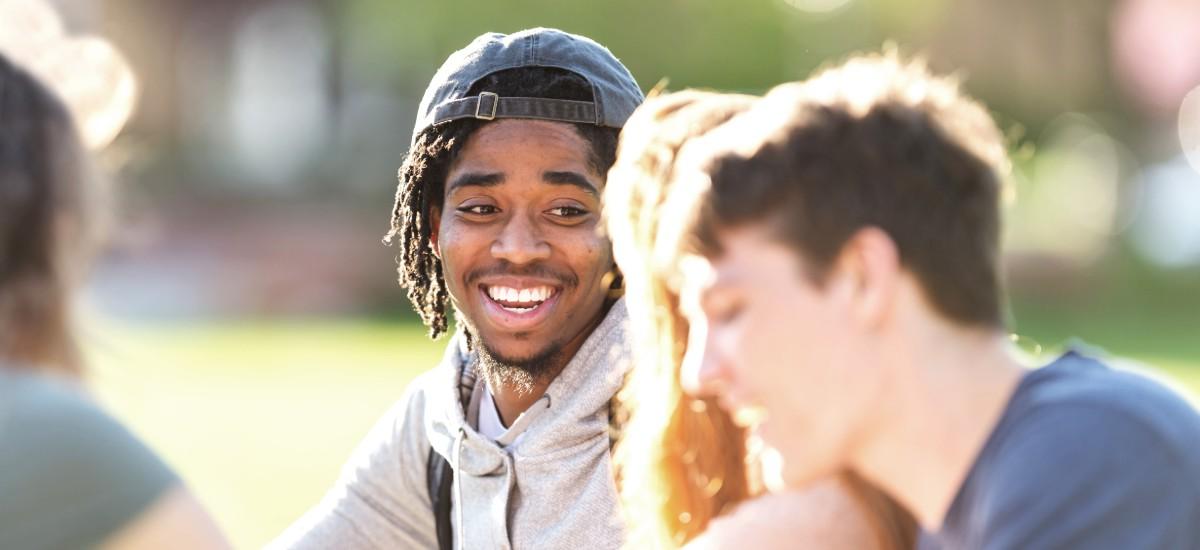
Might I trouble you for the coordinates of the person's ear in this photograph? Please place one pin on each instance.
(435, 225)
(867, 271)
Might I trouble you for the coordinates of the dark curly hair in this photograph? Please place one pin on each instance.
(423, 174)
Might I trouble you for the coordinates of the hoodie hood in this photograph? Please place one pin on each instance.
(562, 455)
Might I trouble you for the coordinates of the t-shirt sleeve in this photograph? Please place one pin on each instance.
(1090, 476)
(381, 499)
(70, 474)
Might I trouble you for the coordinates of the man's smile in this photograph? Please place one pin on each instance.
(516, 304)
(519, 300)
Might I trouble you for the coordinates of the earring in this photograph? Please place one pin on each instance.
(615, 282)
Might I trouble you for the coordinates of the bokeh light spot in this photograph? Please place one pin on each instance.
(1189, 127)
(87, 73)
(818, 6)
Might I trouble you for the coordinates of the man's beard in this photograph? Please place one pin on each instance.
(522, 373)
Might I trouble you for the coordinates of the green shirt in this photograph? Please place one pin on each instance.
(70, 475)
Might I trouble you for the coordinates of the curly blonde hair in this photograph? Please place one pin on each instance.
(681, 460)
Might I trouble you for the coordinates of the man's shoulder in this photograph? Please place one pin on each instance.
(1082, 449)
(400, 439)
(424, 396)
(430, 411)
(1080, 393)
(1079, 421)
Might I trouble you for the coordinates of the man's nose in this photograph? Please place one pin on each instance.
(520, 241)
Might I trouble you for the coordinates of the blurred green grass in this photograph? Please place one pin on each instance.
(258, 417)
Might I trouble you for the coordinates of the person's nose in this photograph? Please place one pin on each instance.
(703, 371)
(520, 241)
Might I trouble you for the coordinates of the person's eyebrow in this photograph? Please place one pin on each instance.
(571, 178)
(475, 179)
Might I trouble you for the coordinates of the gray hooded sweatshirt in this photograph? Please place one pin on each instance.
(550, 488)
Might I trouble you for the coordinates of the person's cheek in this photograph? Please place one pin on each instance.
(762, 343)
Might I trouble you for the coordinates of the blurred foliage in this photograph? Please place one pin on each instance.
(1029, 58)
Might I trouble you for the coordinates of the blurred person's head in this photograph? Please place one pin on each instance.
(682, 462)
(821, 236)
(681, 459)
(48, 207)
(498, 208)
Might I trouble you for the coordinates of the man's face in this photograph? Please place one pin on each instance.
(517, 235)
(778, 351)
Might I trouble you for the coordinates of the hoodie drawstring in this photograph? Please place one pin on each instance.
(458, 492)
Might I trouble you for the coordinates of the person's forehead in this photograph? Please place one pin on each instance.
(513, 133)
(528, 151)
(748, 254)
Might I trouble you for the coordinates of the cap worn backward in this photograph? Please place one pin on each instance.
(615, 91)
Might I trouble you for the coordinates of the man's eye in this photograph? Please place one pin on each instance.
(567, 212)
(479, 209)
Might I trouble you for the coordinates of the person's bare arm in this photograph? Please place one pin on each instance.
(176, 520)
(825, 515)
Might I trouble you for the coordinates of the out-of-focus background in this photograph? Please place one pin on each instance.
(245, 320)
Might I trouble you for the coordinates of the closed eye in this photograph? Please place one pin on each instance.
(726, 315)
(721, 308)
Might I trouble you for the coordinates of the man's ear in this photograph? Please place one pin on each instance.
(435, 225)
(868, 268)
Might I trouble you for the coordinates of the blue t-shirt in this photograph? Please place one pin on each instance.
(70, 475)
(1083, 457)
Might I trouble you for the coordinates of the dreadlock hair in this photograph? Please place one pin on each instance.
(423, 176)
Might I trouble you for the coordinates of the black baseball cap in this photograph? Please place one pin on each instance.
(615, 92)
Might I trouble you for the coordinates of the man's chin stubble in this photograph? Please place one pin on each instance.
(522, 374)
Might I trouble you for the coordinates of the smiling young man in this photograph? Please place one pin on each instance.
(840, 276)
(505, 444)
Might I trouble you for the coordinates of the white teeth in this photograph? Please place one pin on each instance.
(534, 296)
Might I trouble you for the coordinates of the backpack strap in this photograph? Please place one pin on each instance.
(440, 477)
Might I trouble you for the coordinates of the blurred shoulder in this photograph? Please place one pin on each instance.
(72, 471)
(1080, 392)
(826, 514)
(55, 415)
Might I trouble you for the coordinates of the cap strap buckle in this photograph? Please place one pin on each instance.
(495, 103)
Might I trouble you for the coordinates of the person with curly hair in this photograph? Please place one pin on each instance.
(497, 220)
